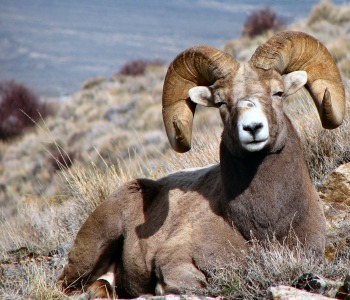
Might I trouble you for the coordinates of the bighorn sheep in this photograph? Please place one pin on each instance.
(159, 236)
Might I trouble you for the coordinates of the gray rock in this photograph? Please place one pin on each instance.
(286, 293)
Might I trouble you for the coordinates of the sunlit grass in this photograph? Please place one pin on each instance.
(112, 132)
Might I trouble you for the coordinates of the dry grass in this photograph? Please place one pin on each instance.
(41, 283)
(326, 11)
(31, 281)
(43, 208)
(43, 223)
(44, 227)
(324, 150)
(270, 264)
(90, 186)
(109, 120)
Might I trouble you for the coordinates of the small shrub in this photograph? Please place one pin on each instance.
(261, 21)
(19, 107)
(137, 67)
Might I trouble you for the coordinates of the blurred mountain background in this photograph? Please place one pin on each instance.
(54, 46)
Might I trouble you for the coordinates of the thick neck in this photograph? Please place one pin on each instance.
(260, 188)
(237, 173)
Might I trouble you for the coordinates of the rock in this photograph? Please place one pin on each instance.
(335, 193)
(316, 284)
(336, 189)
(344, 291)
(286, 292)
(175, 297)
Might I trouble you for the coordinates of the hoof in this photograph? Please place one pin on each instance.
(101, 289)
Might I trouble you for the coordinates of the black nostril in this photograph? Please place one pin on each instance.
(253, 128)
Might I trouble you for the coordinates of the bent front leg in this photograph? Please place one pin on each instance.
(178, 277)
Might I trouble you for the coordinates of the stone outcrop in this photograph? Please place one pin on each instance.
(335, 194)
(283, 292)
(336, 189)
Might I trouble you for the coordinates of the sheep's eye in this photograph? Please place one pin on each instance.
(278, 94)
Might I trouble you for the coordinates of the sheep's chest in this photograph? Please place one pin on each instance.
(266, 199)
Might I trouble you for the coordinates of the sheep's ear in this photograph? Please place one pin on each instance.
(202, 95)
(293, 82)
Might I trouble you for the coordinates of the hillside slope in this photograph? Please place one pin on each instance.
(112, 130)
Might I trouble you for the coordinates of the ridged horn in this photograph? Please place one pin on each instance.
(196, 66)
(292, 51)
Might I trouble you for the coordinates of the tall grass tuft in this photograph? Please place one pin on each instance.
(34, 281)
(324, 150)
(41, 283)
(269, 264)
(44, 226)
(90, 186)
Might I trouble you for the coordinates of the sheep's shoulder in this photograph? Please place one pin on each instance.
(192, 178)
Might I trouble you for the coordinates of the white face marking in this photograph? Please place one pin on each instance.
(253, 129)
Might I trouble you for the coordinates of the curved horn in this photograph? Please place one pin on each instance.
(291, 51)
(201, 65)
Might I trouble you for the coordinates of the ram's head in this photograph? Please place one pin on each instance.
(249, 95)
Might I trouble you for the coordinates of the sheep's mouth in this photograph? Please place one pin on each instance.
(255, 142)
(255, 145)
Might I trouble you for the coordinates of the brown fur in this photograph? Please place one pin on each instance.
(162, 235)
(161, 238)
(169, 231)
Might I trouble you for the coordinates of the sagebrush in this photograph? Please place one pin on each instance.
(262, 20)
(19, 107)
